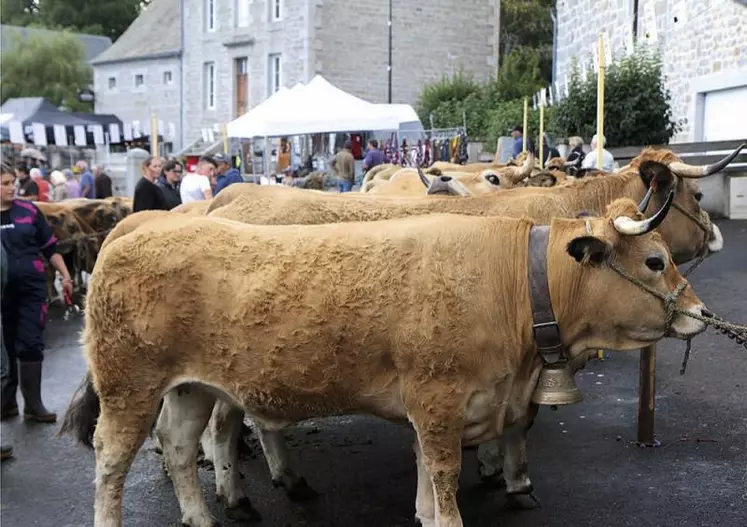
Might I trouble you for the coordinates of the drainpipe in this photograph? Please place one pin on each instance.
(181, 77)
(554, 16)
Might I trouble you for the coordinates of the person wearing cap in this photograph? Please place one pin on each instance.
(227, 174)
(517, 132)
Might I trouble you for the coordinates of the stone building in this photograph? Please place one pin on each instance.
(140, 74)
(703, 46)
(234, 53)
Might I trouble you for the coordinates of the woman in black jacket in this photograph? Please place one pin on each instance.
(169, 183)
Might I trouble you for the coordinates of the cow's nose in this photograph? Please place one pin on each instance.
(445, 179)
(706, 313)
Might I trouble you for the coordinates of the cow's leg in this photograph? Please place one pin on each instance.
(519, 490)
(440, 438)
(119, 434)
(425, 507)
(225, 430)
(185, 414)
(489, 461)
(273, 445)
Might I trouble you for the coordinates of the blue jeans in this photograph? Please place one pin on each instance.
(344, 185)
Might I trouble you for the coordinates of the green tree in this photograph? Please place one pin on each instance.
(521, 74)
(49, 66)
(637, 103)
(528, 24)
(19, 12)
(100, 17)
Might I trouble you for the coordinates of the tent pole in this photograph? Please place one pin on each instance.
(390, 53)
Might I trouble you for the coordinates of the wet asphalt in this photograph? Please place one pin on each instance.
(584, 463)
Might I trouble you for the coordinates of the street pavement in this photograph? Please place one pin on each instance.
(584, 463)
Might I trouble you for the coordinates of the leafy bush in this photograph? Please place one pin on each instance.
(637, 109)
(448, 90)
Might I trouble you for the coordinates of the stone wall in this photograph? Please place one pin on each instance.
(697, 38)
(138, 104)
(429, 40)
(229, 42)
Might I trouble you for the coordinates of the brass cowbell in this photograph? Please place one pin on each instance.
(556, 385)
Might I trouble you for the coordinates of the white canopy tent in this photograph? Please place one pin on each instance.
(320, 107)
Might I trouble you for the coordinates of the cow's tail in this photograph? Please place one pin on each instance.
(83, 412)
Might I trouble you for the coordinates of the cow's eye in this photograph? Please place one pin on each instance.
(655, 263)
(698, 196)
(493, 180)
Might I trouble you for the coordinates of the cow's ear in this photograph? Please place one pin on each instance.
(588, 250)
(657, 174)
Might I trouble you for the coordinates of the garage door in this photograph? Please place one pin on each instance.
(724, 115)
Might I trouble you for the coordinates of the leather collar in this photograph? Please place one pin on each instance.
(545, 327)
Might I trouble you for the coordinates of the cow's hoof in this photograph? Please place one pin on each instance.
(524, 501)
(299, 490)
(425, 522)
(243, 511)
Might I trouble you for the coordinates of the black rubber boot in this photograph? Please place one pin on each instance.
(9, 389)
(33, 408)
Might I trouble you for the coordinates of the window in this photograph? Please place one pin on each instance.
(243, 14)
(275, 74)
(112, 83)
(277, 10)
(210, 15)
(210, 85)
(241, 85)
(139, 80)
(167, 77)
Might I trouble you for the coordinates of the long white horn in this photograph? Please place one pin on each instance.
(631, 227)
(697, 171)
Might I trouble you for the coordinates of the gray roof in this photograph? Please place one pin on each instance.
(155, 33)
(94, 45)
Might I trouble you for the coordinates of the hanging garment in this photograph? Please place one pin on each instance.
(420, 153)
(463, 150)
(357, 145)
(427, 153)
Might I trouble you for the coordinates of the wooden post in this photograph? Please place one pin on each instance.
(526, 122)
(600, 120)
(600, 102)
(153, 135)
(542, 134)
(646, 395)
(224, 132)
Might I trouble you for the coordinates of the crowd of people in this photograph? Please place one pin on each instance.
(166, 185)
(575, 154)
(35, 183)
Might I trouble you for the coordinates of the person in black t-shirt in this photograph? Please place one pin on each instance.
(168, 183)
(27, 187)
(147, 195)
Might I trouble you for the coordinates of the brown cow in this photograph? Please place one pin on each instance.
(457, 360)
(75, 242)
(688, 231)
(193, 208)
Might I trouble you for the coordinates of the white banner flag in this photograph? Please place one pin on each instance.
(172, 131)
(550, 92)
(136, 129)
(607, 50)
(39, 134)
(114, 136)
(211, 135)
(60, 135)
(80, 135)
(127, 131)
(15, 130)
(98, 134)
(161, 128)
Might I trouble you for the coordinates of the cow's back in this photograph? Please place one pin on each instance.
(336, 301)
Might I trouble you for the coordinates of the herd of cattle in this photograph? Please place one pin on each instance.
(408, 301)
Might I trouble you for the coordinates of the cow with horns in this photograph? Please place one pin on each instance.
(416, 361)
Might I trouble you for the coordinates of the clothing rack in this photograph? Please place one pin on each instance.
(440, 144)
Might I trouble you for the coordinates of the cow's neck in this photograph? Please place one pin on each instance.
(595, 194)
